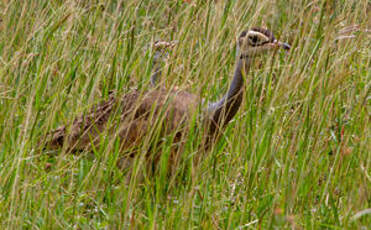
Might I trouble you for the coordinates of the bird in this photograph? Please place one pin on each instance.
(161, 53)
(133, 116)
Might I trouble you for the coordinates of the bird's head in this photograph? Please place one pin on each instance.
(162, 49)
(257, 41)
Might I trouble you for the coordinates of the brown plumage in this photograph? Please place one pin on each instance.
(133, 116)
(135, 113)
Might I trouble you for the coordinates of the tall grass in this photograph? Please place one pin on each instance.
(296, 156)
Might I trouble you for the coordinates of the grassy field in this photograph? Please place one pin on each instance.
(297, 155)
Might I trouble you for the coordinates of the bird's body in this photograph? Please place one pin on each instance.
(133, 116)
(135, 112)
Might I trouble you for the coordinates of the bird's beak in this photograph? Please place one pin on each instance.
(283, 45)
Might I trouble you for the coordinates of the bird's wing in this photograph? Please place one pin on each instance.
(134, 116)
(86, 127)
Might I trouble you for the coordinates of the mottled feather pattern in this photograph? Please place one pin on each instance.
(135, 119)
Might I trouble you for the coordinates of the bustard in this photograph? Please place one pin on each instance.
(139, 112)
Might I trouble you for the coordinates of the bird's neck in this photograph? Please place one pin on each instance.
(226, 108)
(156, 65)
(155, 75)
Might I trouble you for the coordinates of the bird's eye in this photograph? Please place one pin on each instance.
(253, 39)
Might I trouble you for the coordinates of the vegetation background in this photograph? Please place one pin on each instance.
(296, 156)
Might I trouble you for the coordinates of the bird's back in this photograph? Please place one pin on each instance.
(130, 117)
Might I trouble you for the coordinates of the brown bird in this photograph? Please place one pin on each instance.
(135, 116)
